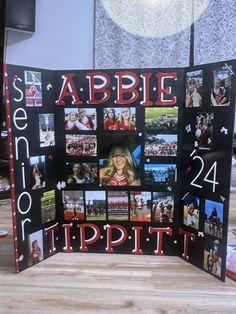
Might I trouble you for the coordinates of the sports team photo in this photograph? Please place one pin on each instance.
(160, 173)
(81, 145)
(117, 203)
(160, 145)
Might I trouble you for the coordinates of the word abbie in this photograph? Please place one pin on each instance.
(128, 88)
(111, 232)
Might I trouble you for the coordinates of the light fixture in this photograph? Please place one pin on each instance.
(154, 18)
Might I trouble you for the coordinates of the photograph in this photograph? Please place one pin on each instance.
(163, 207)
(204, 130)
(161, 145)
(194, 82)
(73, 202)
(161, 119)
(212, 257)
(35, 247)
(191, 211)
(48, 206)
(123, 119)
(46, 129)
(37, 166)
(81, 119)
(140, 206)
(214, 212)
(81, 145)
(4, 184)
(160, 173)
(82, 173)
(120, 162)
(33, 89)
(95, 203)
(222, 85)
(117, 203)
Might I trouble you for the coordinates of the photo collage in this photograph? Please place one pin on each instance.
(46, 135)
(159, 161)
(202, 104)
(134, 206)
(126, 152)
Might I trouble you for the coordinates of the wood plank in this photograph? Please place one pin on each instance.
(101, 283)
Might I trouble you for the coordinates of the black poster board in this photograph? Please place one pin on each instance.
(134, 161)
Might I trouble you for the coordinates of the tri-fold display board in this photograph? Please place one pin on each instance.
(133, 161)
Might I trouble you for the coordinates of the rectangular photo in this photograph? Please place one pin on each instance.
(212, 257)
(160, 173)
(117, 203)
(73, 203)
(48, 206)
(222, 86)
(194, 82)
(163, 207)
(140, 206)
(120, 159)
(46, 129)
(33, 89)
(82, 173)
(95, 202)
(214, 212)
(35, 247)
(204, 130)
(191, 211)
(161, 119)
(123, 119)
(38, 175)
(81, 145)
(4, 184)
(161, 145)
(80, 119)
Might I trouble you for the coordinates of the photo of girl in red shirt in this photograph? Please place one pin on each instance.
(119, 169)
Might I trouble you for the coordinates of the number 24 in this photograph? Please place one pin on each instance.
(206, 178)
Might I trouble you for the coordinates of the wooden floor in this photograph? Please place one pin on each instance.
(97, 283)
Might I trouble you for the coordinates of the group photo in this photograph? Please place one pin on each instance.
(81, 145)
(161, 145)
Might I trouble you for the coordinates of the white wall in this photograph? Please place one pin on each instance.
(64, 37)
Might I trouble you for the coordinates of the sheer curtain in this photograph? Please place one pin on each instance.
(215, 39)
(215, 32)
(117, 48)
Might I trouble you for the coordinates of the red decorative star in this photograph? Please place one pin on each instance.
(50, 157)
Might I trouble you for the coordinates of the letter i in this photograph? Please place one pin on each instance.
(23, 174)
